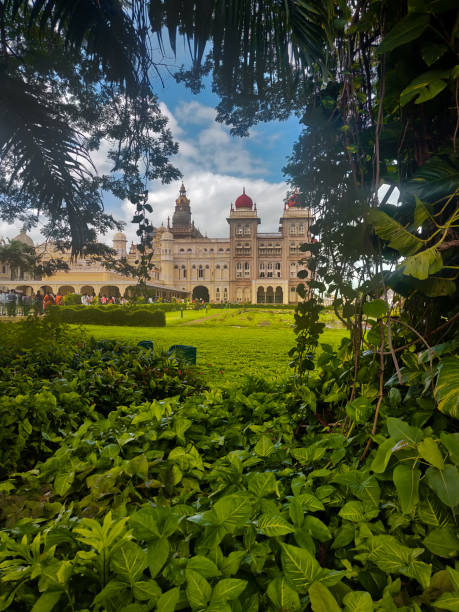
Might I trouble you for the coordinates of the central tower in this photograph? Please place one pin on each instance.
(182, 226)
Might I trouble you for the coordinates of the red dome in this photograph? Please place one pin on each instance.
(243, 201)
(293, 200)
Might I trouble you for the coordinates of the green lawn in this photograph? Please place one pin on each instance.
(230, 343)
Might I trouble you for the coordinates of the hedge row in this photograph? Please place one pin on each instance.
(88, 315)
(244, 305)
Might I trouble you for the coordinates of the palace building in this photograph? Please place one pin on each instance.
(248, 266)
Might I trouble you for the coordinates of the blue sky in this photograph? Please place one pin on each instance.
(215, 165)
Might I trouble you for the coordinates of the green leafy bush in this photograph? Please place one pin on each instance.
(245, 498)
(53, 378)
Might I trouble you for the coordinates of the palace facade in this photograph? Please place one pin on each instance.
(248, 266)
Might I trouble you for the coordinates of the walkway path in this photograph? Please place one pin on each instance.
(194, 321)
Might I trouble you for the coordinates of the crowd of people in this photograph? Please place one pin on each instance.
(14, 303)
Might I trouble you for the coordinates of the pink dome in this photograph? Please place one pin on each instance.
(243, 201)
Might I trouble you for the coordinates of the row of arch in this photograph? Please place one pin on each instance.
(270, 295)
(107, 290)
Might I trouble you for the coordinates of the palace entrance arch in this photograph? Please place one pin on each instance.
(201, 293)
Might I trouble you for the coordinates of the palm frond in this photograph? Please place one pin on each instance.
(103, 27)
(247, 33)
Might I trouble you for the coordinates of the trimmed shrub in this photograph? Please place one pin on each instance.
(72, 299)
(116, 315)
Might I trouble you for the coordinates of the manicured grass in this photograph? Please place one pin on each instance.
(229, 343)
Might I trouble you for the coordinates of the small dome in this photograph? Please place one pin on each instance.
(166, 236)
(243, 201)
(22, 237)
(119, 236)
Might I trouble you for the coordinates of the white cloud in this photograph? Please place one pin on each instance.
(215, 167)
(211, 195)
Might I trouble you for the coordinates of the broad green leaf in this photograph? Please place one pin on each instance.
(421, 213)
(447, 387)
(274, 525)
(112, 591)
(423, 264)
(432, 52)
(425, 87)
(282, 596)
(345, 536)
(443, 542)
(198, 590)
(203, 566)
(157, 554)
(432, 512)
(394, 558)
(435, 287)
(399, 238)
(451, 442)
(353, 511)
(296, 512)
(310, 503)
(168, 600)
(232, 511)
(407, 29)
(382, 456)
(63, 482)
(428, 449)
(230, 564)
(317, 528)
(261, 484)
(264, 447)
(358, 601)
(448, 601)
(144, 524)
(406, 482)
(321, 599)
(454, 577)
(228, 589)
(300, 567)
(360, 410)
(146, 590)
(375, 308)
(445, 483)
(129, 561)
(47, 601)
(399, 430)
(55, 576)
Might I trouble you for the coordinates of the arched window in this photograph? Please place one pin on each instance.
(301, 229)
(217, 267)
(182, 250)
(239, 229)
(189, 250)
(211, 250)
(293, 229)
(200, 272)
(220, 250)
(225, 267)
(246, 228)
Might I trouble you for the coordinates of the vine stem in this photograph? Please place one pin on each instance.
(380, 394)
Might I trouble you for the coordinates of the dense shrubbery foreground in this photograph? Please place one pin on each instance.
(146, 492)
